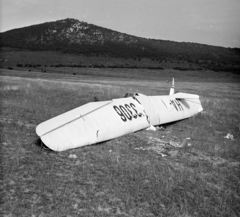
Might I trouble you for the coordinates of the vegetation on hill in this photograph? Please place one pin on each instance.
(74, 37)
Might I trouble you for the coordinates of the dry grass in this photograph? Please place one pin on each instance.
(125, 176)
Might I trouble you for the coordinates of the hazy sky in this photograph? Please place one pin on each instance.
(213, 22)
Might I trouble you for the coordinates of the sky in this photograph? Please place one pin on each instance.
(212, 22)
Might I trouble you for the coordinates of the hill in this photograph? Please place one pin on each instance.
(114, 49)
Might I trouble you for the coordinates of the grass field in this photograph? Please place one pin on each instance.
(127, 176)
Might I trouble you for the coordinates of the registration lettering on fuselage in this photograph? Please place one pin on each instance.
(127, 112)
(176, 103)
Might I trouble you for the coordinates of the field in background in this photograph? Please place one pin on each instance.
(31, 60)
(127, 176)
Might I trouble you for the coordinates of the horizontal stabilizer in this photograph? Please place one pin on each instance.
(185, 96)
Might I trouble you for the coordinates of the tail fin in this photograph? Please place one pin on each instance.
(172, 88)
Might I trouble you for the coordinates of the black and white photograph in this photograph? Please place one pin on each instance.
(119, 108)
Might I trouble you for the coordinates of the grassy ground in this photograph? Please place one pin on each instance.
(127, 176)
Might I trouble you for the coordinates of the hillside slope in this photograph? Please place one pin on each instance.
(75, 37)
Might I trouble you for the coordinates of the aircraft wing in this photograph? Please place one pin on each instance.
(92, 123)
(101, 121)
(170, 108)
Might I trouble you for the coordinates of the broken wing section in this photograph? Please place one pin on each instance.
(166, 109)
(123, 116)
(92, 123)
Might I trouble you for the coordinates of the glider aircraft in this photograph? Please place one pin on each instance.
(100, 121)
